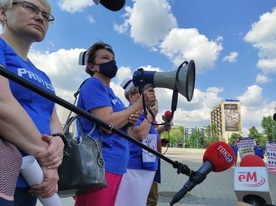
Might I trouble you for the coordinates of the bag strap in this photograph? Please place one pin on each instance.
(76, 96)
(71, 119)
(69, 122)
(100, 131)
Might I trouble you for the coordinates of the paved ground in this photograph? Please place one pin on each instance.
(216, 190)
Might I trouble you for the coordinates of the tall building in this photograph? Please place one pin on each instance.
(227, 118)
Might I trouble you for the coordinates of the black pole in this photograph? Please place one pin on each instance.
(10, 75)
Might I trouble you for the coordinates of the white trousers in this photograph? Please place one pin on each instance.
(134, 188)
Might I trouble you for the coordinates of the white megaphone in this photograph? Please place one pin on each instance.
(183, 79)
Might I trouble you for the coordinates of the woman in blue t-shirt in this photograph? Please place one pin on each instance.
(98, 98)
(27, 119)
(142, 165)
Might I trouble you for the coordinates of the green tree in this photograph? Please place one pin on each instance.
(175, 135)
(196, 139)
(253, 132)
(269, 126)
(212, 135)
(234, 137)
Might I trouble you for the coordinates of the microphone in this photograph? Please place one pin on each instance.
(251, 183)
(167, 117)
(218, 157)
(113, 5)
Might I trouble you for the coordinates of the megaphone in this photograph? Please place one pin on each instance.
(183, 79)
(113, 5)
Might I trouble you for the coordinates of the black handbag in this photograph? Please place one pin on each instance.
(82, 169)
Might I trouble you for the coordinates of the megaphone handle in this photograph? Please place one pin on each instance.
(174, 100)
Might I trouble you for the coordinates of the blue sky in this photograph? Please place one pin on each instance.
(233, 44)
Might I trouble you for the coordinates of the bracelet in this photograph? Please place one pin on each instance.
(62, 136)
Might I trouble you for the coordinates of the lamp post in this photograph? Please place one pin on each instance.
(184, 136)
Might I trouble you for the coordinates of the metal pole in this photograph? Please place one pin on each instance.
(10, 75)
(184, 138)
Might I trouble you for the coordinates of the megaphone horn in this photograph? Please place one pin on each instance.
(183, 78)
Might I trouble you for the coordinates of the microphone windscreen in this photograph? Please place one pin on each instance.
(221, 155)
(252, 160)
(168, 115)
(113, 5)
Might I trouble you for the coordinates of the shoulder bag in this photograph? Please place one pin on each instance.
(82, 169)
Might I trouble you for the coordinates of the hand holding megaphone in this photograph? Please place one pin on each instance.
(148, 97)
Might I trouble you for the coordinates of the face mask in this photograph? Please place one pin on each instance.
(108, 69)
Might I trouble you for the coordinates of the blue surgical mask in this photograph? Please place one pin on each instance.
(108, 69)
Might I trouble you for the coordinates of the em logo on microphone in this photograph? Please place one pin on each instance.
(251, 179)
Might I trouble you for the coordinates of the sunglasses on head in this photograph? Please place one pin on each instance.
(133, 92)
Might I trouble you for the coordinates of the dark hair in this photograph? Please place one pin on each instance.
(91, 53)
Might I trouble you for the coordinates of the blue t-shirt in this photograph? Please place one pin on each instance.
(39, 108)
(136, 152)
(94, 94)
(235, 149)
(258, 150)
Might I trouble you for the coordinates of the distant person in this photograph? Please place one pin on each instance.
(259, 150)
(27, 119)
(98, 98)
(235, 149)
(142, 165)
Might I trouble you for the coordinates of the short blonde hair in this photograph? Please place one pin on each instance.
(7, 5)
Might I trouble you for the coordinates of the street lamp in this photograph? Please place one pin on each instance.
(184, 137)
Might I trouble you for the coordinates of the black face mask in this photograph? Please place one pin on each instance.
(108, 69)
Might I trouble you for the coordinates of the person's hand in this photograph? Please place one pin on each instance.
(133, 118)
(149, 96)
(49, 185)
(53, 155)
(167, 127)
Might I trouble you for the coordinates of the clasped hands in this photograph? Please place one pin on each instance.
(49, 159)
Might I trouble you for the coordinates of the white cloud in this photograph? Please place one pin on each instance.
(254, 108)
(263, 37)
(63, 69)
(148, 27)
(90, 19)
(262, 79)
(121, 28)
(267, 65)
(187, 44)
(74, 6)
(123, 73)
(252, 97)
(232, 57)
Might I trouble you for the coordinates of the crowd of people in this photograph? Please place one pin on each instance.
(29, 124)
(258, 150)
